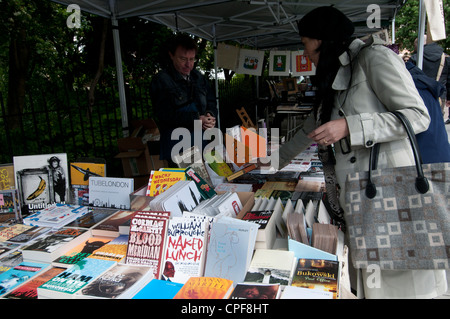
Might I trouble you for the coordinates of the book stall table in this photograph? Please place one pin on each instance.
(293, 111)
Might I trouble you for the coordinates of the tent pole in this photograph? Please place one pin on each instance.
(216, 81)
(120, 80)
(421, 33)
(393, 30)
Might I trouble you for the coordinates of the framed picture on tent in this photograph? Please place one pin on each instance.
(301, 64)
(227, 56)
(250, 62)
(279, 63)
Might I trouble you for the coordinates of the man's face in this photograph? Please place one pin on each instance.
(183, 60)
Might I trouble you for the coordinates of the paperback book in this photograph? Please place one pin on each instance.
(54, 244)
(74, 278)
(56, 215)
(147, 241)
(185, 251)
(317, 274)
(19, 274)
(205, 288)
(160, 181)
(28, 290)
(81, 251)
(122, 281)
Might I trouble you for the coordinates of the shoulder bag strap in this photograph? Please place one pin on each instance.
(422, 185)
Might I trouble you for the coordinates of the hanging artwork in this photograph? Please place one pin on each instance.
(301, 64)
(250, 62)
(227, 56)
(279, 63)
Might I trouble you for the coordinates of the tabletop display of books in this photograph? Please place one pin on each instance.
(191, 241)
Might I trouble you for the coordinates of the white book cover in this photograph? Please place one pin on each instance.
(230, 248)
(185, 250)
(41, 180)
(230, 206)
(110, 192)
(56, 215)
(185, 199)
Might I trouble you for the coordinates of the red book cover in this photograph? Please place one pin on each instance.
(146, 241)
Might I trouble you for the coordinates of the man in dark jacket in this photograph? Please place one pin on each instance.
(180, 96)
(433, 143)
(433, 57)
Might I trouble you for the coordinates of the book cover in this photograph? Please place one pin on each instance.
(192, 157)
(81, 251)
(185, 250)
(147, 240)
(19, 274)
(80, 172)
(29, 235)
(270, 266)
(54, 243)
(205, 288)
(185, 198)
(111, 192)
(56, 215)
(114, 249)
(10, 207)
(7, 180)
(160, 181)
(119, 282)
(260, 217)
(29, 289)
(41, 180)
(205, 189)
(317, 274)
(230, 248)
(10, 260)
(110, 226)
(94, 216)
(159, 289)
(74, 278)
(256, 291)
(11, 231)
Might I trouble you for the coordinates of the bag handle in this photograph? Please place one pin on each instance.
(422, 185)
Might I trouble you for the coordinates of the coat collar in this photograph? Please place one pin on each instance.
(343, 76)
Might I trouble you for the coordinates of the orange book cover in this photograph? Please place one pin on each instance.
(205, 288)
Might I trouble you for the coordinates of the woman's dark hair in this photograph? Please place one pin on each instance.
(326, 71)
(335, 30)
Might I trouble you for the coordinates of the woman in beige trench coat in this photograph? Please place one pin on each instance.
(359, 84)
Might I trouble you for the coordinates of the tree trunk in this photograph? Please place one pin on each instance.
(100, 66)
(19, 58)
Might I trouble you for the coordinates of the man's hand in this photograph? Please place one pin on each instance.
(208, 121)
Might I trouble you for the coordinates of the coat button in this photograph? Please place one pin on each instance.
(352, 159)
(341, 113)
(369, 143)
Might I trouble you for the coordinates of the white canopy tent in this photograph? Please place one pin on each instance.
(259, 24)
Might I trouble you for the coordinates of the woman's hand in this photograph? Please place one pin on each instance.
(330, 132)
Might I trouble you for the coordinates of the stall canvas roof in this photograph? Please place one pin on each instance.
(256, 23)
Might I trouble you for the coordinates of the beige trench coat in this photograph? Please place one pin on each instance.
(371, 82)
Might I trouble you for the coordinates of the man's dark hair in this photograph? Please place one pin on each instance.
(182, 40)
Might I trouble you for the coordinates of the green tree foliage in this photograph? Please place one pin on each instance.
(407, 25)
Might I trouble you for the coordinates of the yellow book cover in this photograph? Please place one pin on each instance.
(205, 288)
(160, 181)
(80, 172)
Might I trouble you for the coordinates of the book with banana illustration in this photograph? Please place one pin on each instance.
(41, 180)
